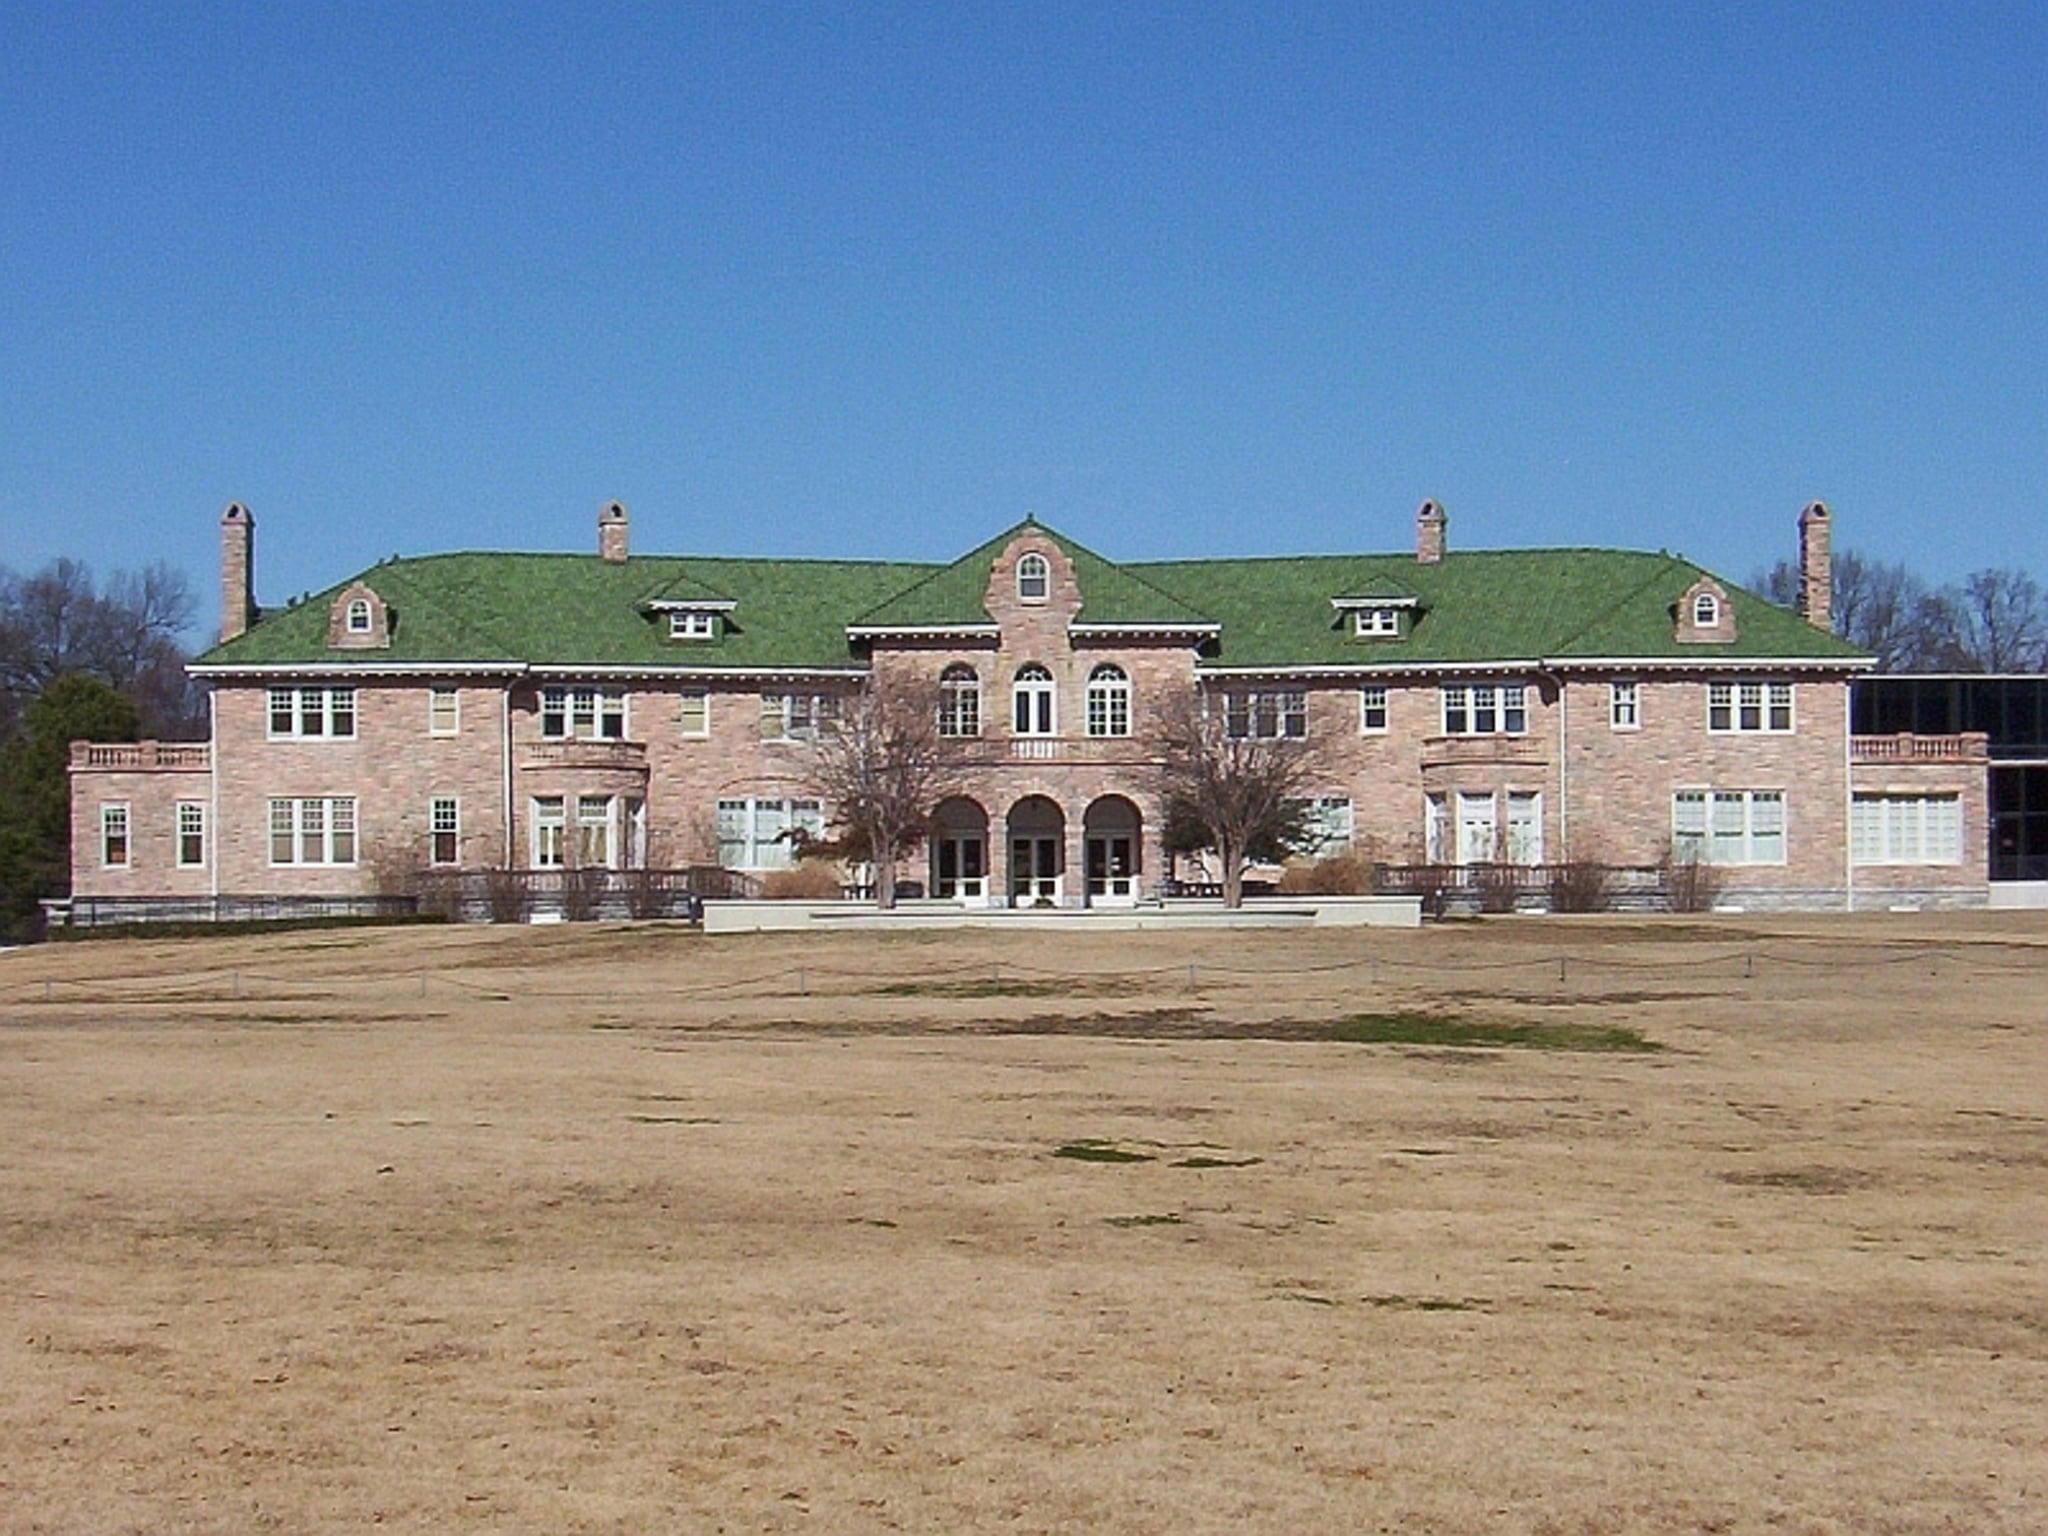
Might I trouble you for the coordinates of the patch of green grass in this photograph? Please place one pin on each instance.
(1093, 1151)
(1443, 1030)
(1158, 1219)
(1203, 1161)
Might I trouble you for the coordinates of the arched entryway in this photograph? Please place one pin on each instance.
(959, 844)
(1037, 838)
(1111, 842)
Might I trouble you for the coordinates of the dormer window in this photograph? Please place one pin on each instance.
(1706, 610)
(685, 624)
(358, 620)
(1376, 623)
(1034, 579)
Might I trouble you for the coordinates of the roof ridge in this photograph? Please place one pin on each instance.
(1564, 641)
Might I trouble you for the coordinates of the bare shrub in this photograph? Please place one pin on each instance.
(1691, 884)
(1581, 885)
(1499, 884)
(508, 894)
(809, 880)
(1342, 874)
(582, 890)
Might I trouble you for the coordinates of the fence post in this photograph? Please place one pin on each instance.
(1560, 970)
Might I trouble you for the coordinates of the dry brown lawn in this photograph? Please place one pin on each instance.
(624, 1230)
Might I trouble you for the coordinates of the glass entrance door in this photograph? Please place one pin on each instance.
(1110, 878)
(963, 871)
(1034, 870)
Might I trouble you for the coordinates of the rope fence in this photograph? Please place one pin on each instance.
(805, 979)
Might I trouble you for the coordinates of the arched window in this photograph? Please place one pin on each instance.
(1706, 610)
(959, 701)
(1109, 701)
(1034, 579)
(1031, 712)
(358, 618)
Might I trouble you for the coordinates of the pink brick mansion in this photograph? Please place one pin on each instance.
(482, 710)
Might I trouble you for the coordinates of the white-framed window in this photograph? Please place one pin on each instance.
(1749, 707)
(444, 830)
(1728, 826)
(796, 716)
(1481, 827)
(1034, 579)
(1375, 623)
(313, 830)
(762, 834)
(1485, 709)
(1265, 713)
(312, 713)
(1706, 611)
(695, 707)
(689, 624)
(1372, 709)
(594, 831)
(1031, 701)
(114, 846)
(357, 618)
(587, 714)
(191, 833)
(959, 701)
(1325, 825)
(1905, 829)
(1524, 822)
(444, 712)
(1109, 701)
(549, 821)
(1624, 706)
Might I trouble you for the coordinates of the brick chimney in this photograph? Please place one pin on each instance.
(1816, 567)
(1430, 521)
(611, 532)
(237, 570)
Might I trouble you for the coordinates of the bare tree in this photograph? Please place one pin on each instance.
(2000, 623)
(880, 767)
(1240, 791)
(1877, 605)
(59, 620)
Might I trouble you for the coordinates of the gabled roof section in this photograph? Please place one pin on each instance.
(1510, 605)
(544, 609)
(685, 586)
(952, 595)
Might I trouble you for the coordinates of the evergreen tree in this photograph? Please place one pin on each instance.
(35, 791)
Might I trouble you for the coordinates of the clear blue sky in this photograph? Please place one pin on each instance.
(878, 280)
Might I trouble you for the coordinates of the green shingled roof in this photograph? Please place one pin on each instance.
(1474, 606)
(578, 609)
(1110, 593)
(1477, 606)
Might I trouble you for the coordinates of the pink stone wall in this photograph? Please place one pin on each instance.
(392, 766)
(152, 796)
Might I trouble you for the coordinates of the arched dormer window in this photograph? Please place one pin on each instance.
(1109, 701)
(1031, 695)
(959, 701)
(1706, 610)
(358, 621)
(1034, 579)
